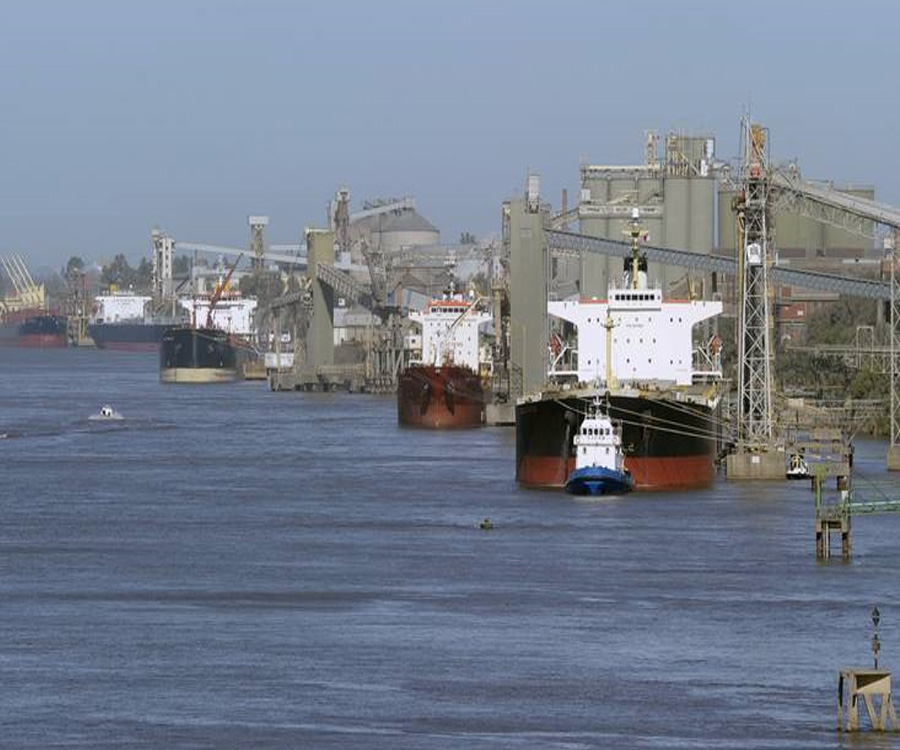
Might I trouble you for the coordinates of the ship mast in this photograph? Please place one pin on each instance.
(609, 324)
(635, 231)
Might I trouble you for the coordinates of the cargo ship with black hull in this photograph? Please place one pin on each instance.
(216, 351)
(443, 389)
(197, 355)
(128, 337)
(637, 352)
(128, 322)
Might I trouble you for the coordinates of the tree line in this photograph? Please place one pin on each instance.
(119, 273)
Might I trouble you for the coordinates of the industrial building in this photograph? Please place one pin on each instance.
(675, 195)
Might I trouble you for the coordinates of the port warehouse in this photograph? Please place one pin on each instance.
(686, 204)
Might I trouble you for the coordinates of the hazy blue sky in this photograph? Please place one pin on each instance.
(118, 116)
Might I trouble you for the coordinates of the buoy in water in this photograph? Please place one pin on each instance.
(486, 525)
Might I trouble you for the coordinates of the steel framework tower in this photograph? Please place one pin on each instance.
(754, 352)
(894, 451)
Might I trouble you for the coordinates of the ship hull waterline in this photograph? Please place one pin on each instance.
(668, 445)
(128, 337)
(197, 355)
(598, 480)
(441, 398)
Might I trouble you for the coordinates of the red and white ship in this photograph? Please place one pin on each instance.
(443, 389)
(638, 352)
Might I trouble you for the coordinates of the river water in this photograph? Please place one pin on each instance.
(231, 567)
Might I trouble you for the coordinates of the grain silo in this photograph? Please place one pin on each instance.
(403, 229)
(675, 195)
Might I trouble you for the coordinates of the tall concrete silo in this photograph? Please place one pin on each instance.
(675, 195)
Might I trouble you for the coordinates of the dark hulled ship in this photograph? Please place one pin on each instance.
(127, 321)
(668, 437)
(208, 354)
(444, 389)
(35, 330)
(636, 351)
(129, 336)
(197, 355)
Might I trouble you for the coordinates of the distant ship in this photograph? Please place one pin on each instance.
(216, 351)
(124, 321)
(444, 388)
(636, 351)
(25, 318)
(34, 329)
(197, 355)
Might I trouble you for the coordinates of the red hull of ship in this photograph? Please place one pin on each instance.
(440, 398)
(649, 473)
(40, 341)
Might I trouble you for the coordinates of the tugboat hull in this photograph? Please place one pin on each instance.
(597, 480)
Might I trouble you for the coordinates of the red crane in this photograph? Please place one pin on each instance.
(220, 289)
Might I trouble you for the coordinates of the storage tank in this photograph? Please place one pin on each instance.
(841, 243)
(595, 267)
(622, 194)
(677, 223)
(702, 228)
(727, 224)
(400, 229)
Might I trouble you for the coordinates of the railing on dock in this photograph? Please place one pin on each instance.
(836, 517)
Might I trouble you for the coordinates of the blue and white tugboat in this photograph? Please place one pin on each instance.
(599, 461)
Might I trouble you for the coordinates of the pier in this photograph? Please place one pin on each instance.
(836, 518)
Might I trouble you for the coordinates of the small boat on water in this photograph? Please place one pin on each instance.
(599, 460)
(798, 468)
(107, 413)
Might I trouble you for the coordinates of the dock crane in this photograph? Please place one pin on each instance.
(219, 291)
(26, 293)
(766, 190)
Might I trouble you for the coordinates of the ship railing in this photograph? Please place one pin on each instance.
(563, 373)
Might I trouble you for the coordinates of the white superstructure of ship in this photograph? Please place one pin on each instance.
(599, 443)
(635, 336)
(232, 313)
(450, 332)
(118, 307)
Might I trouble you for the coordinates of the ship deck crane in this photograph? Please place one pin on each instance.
(219, 291)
